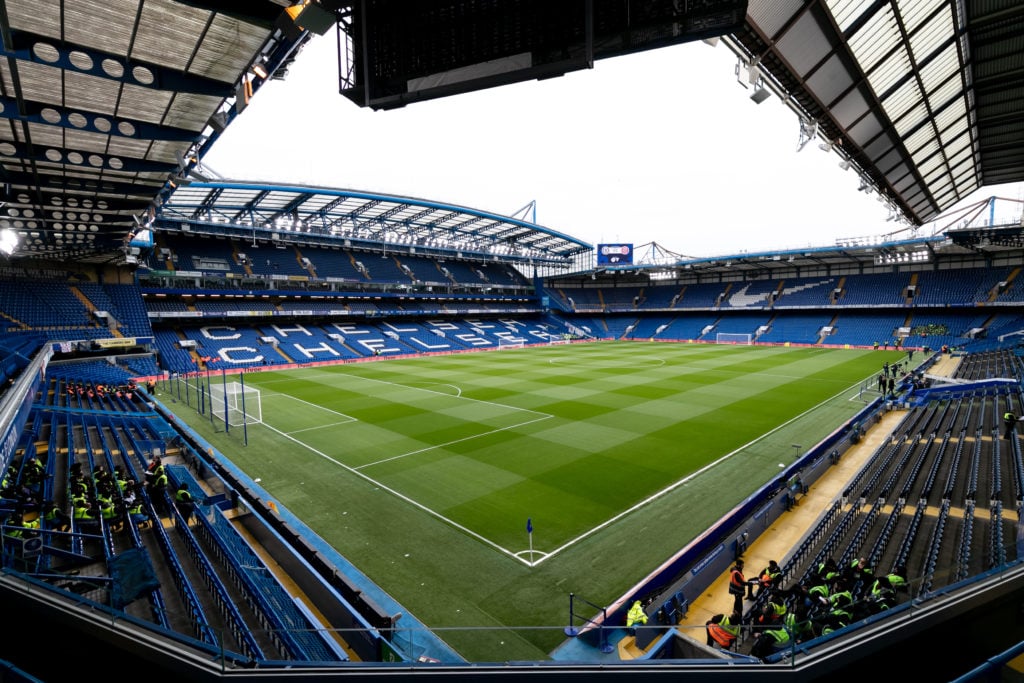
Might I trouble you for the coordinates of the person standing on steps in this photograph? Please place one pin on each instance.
(738, 586)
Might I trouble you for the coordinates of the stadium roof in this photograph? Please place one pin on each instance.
(321, 216)
(109, 105)
(924, 98)
(106, 101)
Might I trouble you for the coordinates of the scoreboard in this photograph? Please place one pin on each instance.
(615, 254)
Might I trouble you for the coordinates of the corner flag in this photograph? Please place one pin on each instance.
(529, 534)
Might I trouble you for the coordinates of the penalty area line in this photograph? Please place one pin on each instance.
(455, 441)
(311, 429)
(433, 513)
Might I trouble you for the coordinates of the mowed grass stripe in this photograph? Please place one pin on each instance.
(416, 421)
(643, 417)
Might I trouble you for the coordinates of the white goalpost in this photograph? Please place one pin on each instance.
(504, 344)
(733, 338)
(236, 404)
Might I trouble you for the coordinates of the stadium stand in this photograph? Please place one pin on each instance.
(922, 479)
(942, 454)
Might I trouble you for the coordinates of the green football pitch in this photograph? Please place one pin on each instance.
(425, 471)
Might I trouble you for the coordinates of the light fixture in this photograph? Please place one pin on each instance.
(185, 159)
(309, 15)
(8, 241)
(845, 165)
(808, 129)
(828, 145)
(259, 68)
(760, 93)
(200, 175)
(219, 121)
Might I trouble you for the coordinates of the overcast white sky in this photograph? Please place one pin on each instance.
(663, 146)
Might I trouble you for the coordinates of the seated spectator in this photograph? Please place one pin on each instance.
(770, 578)
(858, 572)
(54, 517)
(84, 513)
(138, 515)
(769, 641)
(723, 630)
(773, 612)
(882, 595)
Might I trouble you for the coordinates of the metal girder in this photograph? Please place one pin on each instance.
(363, 208)
(288, 208)
(90, 160)
(50, 201)
(88, 185)
(27, 47)
(208, 202)
(54, 115)
(393, 211)
(441, 219)
(248, 210)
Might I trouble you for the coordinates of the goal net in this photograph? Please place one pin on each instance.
(235, 404)
(733, 338)
(513, 343)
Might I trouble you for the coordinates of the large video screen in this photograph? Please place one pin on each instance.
(615, 254)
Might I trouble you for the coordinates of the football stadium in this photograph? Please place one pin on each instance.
(283, 431)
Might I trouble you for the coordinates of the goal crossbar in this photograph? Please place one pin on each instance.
(734, 338)
(236, 403)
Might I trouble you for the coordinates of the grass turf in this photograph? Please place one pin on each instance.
(423, 471)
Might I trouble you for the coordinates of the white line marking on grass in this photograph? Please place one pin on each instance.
(572, 361)
(400, 496)
(531, 553)
(349, 418)
(457, 394)
(332, 424)
(684, 480)
(440, 393)
(449, 443)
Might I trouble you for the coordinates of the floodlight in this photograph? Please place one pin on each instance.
(8, 241)
(200, 175)
(760, 94)
(311, 16)
(260, 69)
(845, 165)
(219, 121)
(183, 160)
